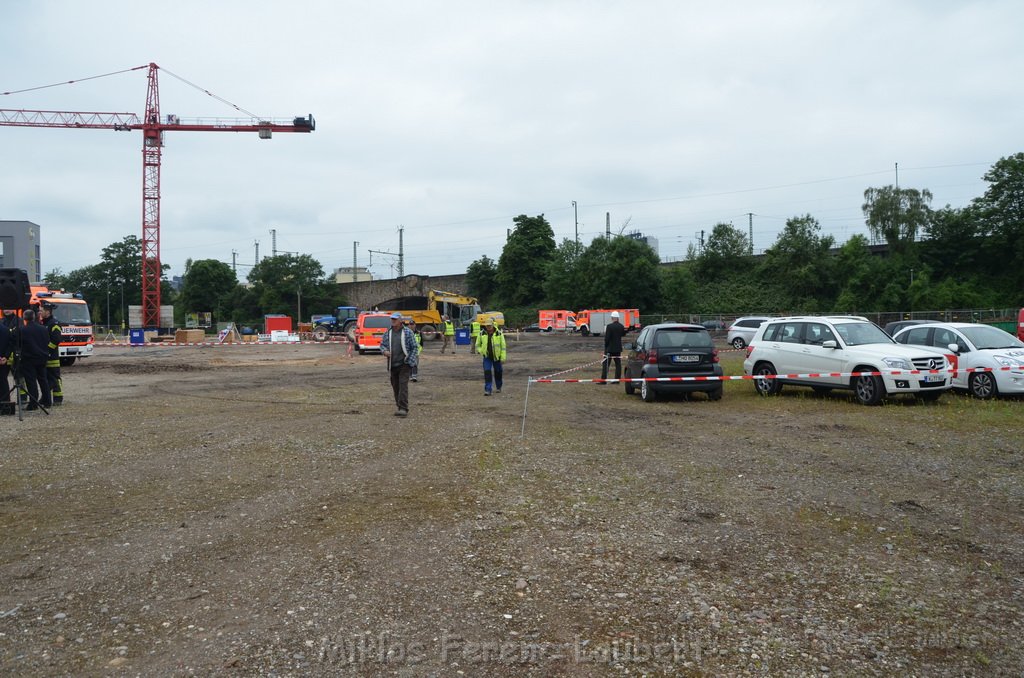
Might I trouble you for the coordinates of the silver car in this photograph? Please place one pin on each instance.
(742, 330)
(988, 361)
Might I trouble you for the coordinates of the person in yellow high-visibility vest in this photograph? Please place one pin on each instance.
(491, 345)
(474, 332)
(448, 333)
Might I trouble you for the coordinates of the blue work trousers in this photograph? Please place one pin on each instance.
(495, 367)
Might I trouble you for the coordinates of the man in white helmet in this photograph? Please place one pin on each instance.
(613, 333)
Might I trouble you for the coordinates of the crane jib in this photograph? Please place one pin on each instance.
(131, 121)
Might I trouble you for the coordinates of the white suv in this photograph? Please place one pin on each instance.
(812, 350)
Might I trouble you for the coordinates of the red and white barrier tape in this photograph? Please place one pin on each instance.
(751, 377)
(213, 343)
(547, 378)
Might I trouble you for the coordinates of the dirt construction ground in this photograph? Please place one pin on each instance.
(257, 510)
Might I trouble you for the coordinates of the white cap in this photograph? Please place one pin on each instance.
(615, 314)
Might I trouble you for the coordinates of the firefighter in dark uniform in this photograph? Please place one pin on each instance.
(12, 323)
(55, 334)
(35, 351)
(6, 358)
(11, 319)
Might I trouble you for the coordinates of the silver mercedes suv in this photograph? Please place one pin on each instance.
(824, 351)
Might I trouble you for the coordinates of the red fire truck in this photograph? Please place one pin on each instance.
(72, 313)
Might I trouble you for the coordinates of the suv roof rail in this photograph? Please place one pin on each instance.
(819, 317)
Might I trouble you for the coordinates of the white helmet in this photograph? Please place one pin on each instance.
(615, 314)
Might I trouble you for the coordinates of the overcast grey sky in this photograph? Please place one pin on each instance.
(451, 118)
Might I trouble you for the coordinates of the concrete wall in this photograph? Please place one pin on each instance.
(371, 292)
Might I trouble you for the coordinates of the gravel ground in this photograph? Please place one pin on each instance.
(258, 510)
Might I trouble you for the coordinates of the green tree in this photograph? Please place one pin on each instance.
(726, 254)
(1001, 212)
(900, 282)
(741, 295)
(853, 275)
(564, 280)
(55, 279)
(950, 293)
(121, 262)
(896, 215)
(953, 240)
(207, 283)
(89, 283)
(481, 279)
(872, 283)
(118, 274)
(800, 264)
(242, 307)
(524, 261)
(620, 272)
(679, 289)
(286, 282)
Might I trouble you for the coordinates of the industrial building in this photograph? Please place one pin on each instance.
(19, 247)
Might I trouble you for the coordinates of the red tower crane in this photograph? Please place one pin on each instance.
(153, 128)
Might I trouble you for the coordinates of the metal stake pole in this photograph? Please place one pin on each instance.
(526, 402)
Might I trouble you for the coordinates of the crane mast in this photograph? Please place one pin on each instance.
(152, 142)
(153, 128)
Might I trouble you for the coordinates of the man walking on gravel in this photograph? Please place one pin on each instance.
(491, 345)
(399, 346)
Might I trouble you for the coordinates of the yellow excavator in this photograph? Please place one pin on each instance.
(427, 311)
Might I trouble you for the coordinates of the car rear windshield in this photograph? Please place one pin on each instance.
(376, 322)
(682, 337)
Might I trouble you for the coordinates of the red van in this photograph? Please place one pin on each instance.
(370, 329)
(549, 320)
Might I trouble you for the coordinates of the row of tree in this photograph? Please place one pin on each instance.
(971, 257)
(290, 284)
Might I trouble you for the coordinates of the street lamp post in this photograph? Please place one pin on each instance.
(910, 292)
(576, 221)
(108, 307)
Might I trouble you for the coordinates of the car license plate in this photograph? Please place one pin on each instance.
(932, 378)
(686, 358)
